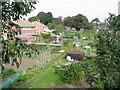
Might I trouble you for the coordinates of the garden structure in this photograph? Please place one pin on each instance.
(76, 55)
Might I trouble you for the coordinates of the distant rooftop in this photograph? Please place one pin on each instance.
(23, 23)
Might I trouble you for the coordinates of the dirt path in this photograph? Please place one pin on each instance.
(25, 63)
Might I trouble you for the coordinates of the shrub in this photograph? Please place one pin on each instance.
(75, 71)
(8, 72)
(107, 61)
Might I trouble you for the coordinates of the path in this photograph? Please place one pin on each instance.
(25, 63)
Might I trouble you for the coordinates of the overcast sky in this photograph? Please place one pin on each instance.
(90, 8)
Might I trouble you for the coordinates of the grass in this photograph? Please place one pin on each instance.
(9, 72)
(46, 77)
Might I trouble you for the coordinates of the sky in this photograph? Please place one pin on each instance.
(89, 8)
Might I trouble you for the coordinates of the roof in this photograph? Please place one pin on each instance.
(25, 36)
(24, 23)
(38, 23)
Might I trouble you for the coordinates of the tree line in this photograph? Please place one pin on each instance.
(78, 21)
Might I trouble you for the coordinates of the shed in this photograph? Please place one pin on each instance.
(76, 55)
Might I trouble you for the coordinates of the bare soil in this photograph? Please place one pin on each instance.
(25, 63)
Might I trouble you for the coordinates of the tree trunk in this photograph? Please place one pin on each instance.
(2, 67)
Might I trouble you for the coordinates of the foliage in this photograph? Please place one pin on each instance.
(76, 71)
(32, 19)
(44, 18)
(51, 26)
(79, 21)
(7, 73)
(96, 20)
(113, 22)
(76, 51)
(28, 74)
(15, 10)
(57, 25)
(58, 29)
(108, 57)
(48, 18)
(72, 33)
(55, 22)
(47, 40)
(41, 16)
(43, 77)
(47, 33)
(13, 48)
(66, 42)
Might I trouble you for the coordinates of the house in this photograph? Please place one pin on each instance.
(103, 25)
(28, 29)
(39, 27)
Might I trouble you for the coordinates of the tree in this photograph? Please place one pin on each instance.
(32, 19)
(41, 16)
(55, 23)
(58, 28)
(108, 56)
(45, 18)
(96, 20)
(79, 21)
(113, 22)
(68, 21)
(12, 47)
(48, 18)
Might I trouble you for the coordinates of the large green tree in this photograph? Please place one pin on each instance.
(113, 22)
(69, 21)
(108, 56)
(41, 16)
(45, 18)
(48, 18)
(12, 47)
(79, 21)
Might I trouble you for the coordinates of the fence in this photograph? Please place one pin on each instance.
(11, 80)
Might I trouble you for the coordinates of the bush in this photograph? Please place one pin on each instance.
(8, 72)
(75, 71)
(66, 42)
